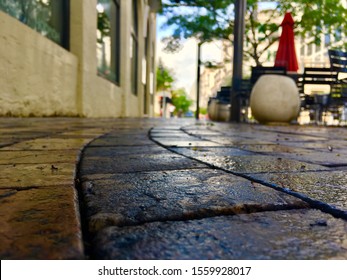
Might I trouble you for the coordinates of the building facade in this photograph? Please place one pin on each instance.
(92, 58)
(212, 79)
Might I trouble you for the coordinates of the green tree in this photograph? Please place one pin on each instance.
(164, 77)
(181, 102)
(209, 20)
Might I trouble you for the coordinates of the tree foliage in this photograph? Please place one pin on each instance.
(180, 101)
(204, 20)
(164, 77)
(209, 20)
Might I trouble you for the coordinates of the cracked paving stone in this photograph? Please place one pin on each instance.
(292, 234)
(39, 224)
(130, 199)
(136, 163)
(328, 187)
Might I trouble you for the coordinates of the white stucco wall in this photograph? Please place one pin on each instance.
(40, 78)
(102, 99)
(37, 77)
(98, 96)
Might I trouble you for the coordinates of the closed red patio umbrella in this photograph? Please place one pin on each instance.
(286, 55)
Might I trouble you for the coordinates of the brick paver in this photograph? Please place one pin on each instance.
(171, 189)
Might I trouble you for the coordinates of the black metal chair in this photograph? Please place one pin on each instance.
(258, 71)
(318, 103)
(338, 60)
(338, 63)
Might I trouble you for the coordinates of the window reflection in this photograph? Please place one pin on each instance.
(48, 17)
(108, 39)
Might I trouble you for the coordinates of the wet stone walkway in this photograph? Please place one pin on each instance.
(216, 191)
(171, 189)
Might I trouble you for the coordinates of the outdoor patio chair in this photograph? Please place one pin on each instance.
(258, 71)
(338, 63)
(318, 76)
(338, 60)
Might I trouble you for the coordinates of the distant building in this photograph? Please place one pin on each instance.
(311, 55)
(212, 78)
(92, 58)
(308, 55)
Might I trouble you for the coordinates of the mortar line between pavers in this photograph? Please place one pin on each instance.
(257, 153)
(43, 150)
(80, 207)
(35, 164)
(34, 138)
(337, 213)
(273, 143)
(281, 172)
(260, 128)
(30, 187)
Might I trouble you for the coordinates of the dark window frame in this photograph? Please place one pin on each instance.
(134, 48)
(65, 39)
(115, 41)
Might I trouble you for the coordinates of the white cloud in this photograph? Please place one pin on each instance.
(184, 63)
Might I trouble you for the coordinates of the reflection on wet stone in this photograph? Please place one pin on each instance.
(328, 187)
(177, 195)
(295, 234)
(186, 198)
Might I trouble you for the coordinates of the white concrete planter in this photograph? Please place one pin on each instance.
(275, 98)
(219, 111)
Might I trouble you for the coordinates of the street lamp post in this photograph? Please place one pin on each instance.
(239, 29)
(197, 112)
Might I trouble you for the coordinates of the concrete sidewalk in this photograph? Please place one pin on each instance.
(171, 189)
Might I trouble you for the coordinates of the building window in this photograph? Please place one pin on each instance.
(302, 50)
(309, 49)
(48, 17)
(327, 40)
(134, 48)
(108, 39)
(338, 34)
